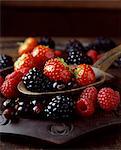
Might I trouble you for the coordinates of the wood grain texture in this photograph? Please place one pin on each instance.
(35, 21)
(108, 4)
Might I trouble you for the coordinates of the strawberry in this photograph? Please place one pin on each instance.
(108, 99)
(90, 93)
(84, 74)
(27, 46)
(42, 54)
(25, 60)
(85, 107)
(56, 69)
(93, 54)
(1, 81)
(9, 88)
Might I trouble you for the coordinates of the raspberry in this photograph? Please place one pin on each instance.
(108, 99)
(9, 88)
(85, 107)
(93, 54)
(1, 81)
(16, 75)
(90, 93)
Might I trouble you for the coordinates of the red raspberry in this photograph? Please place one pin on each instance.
(90, 93)
(9, 88)
(93, 54)
(58, 53)
(108, 99)
(1, 81)
(85, 107)
(16, 75)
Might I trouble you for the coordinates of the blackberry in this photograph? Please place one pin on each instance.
(74, 57)
(5, 61)
(74, 45)
(47, 41)
(77, 58)
(71, 85)
(33, 80)
(102, 44)
(86, 60)
(117, 63)
(60, 107)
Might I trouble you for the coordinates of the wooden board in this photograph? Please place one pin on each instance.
(62, 132)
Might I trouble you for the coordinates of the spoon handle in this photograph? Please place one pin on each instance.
(108, 58)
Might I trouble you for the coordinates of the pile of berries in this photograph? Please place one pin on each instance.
(40, 70)
(63, 106)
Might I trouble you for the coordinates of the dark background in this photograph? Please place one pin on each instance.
(38, 20)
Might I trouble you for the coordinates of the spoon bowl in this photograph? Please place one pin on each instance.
(100, 78)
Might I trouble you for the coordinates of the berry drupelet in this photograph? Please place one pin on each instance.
(60, 107)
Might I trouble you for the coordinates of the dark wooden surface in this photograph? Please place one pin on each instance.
(70, 18)
(109, 138)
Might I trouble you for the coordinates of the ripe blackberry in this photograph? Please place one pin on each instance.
(74, 45)
(74, 56)
(102, 44)
(86, 60)
(117, 63)
(60, 107)
(47, 41)
(5, 61)
(33, 80)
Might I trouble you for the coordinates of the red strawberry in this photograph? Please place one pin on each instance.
(108, 99)
(56, 69)
(84, 74)
(93, 54)
(90, 93)
(58, 53)
(16, 75)
(42, 54)
(27, 46)
(85, 107)
(25, 60)
(1, 81)
(9, 88)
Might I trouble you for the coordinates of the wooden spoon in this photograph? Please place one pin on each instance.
(99, 68)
